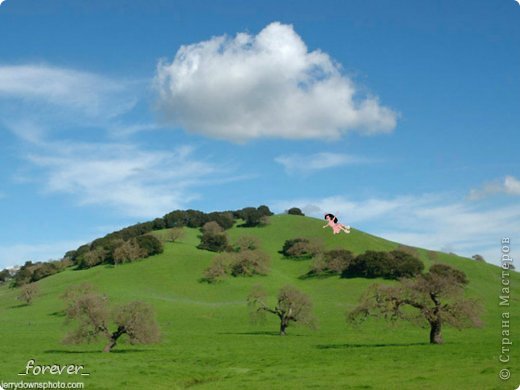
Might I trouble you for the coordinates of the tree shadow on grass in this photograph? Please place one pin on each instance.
(19, 306)
(95, 351)
(261, 333)
(348, 346)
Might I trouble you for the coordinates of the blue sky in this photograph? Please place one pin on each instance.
(400, 117)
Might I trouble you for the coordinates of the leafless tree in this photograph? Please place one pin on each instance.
(437, 296)
(292, 306)
(174, 234)
(91, 311)
(128, 252)
(28, 292)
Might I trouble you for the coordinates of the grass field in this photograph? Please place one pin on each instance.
(209, 343)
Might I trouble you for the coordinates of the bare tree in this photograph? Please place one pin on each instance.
(292, 306)
(28, 292)
(90, 310)
(437, 296)
(128, 252)
(174, 234)
(246, 243)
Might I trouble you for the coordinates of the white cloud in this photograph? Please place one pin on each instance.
(17, 254)
(509, 185)
(429, 221)
(140, 183)
(264, 85)
(297, 163)
(49, 89)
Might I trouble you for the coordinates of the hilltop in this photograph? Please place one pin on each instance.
(208, 341)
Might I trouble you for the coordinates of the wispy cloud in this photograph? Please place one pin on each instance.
(53, 111)
(136, 182)
(48, 90)
(306, 164)
(264, 85)
(509, 186)
(434, 221)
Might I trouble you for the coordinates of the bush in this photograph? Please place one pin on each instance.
(446, 271)
(128, 252)
(224, 219)
(213, 242)
(151, 245)
(246, 243)
(404, 265)
(300, 248)
(295, 211)
(389, 265)
(217, 270)
(249, 263)
(331, 262)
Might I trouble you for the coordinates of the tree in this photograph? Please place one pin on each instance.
(28, 292)
(92, 258)
(478, 258)
(224, 219)
(174, 234)
(90, 310)
(212, 227)
(436, 298)
(128, 251)
(292, 306)
(213, 242)
(5, 275)
(213, 237)
(217, 270)
(150, 244)
(246, 243)
(249, 263)
(295, 211)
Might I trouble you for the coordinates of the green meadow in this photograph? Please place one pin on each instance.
(208, 341)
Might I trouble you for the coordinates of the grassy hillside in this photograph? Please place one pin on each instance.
(208, 341)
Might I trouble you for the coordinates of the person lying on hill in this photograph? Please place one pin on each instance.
(335, 225)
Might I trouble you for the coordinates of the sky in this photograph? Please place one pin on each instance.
(402, 118)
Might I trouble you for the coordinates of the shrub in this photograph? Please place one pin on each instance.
(249, 263)
(300, 248)
(404, 265)
(213, 242)
(128, 252)
(150, 244)
(331, 262)
(295, 211)
(28, 292)
(217, 270)
(390, 265)
(246, 243)
(446, 271)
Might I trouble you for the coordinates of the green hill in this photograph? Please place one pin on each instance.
(209, 343)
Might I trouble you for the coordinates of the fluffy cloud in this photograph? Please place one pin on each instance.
(510, 186)
(430, 221)
(264, 85)
(296, 163)
(137, 182)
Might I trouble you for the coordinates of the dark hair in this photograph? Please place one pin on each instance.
(331, 216)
